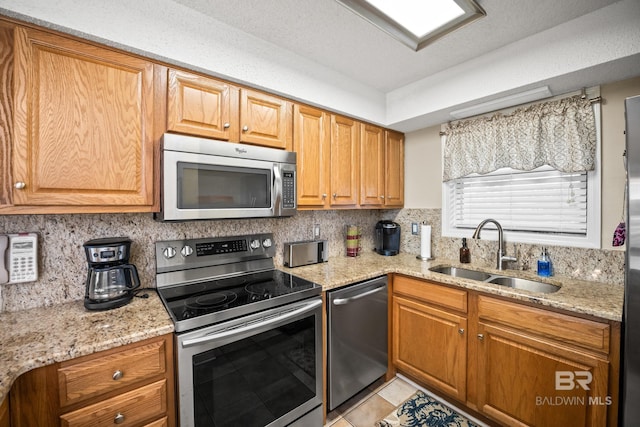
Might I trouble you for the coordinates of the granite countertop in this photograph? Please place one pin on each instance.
(43, 336)
(601, 300)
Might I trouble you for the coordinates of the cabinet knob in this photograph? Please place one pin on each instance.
(227, 125)
(480, 337)
(324, 195)
(382, 197)
(20, 185)
(119, 418)
(117, 375)
(245, 128)
(461, 331)
(335, 196)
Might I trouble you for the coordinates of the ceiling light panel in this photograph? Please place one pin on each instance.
(416, 23)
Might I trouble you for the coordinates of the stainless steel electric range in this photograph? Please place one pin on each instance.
(248, 336)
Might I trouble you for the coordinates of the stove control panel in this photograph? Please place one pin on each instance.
(175, 255)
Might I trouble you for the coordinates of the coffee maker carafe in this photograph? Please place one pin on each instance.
(111, 279)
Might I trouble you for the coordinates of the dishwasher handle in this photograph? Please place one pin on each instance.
(343, 301)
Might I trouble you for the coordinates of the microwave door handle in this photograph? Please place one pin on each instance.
(252, 325)
(276, 189)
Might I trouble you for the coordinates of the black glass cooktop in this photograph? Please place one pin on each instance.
(207, 302)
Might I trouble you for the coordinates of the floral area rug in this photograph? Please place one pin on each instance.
(421, 410)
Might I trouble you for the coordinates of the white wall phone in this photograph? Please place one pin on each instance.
(18, 258)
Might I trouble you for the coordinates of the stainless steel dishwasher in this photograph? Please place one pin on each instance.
(357, 338)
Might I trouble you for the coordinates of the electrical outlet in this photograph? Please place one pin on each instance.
(316, 231)
(414, 228)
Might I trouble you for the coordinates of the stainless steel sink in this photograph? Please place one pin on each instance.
(529, 285)
(512, 282)
(462, 272)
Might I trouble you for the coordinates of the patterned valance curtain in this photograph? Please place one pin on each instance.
(561, 134)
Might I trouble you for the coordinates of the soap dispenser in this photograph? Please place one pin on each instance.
(545, 267)
(465, 255)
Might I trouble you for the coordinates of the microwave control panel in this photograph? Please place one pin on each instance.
(18, 258)
(289, 190)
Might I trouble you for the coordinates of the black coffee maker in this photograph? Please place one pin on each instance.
(387, 238)
(111, 279)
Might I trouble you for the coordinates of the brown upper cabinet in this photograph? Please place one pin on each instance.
(381, 167)
(265, 120)
(203, 106)
(327, 148)
(83, 127)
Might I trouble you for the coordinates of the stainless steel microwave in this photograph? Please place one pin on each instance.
(209, 179)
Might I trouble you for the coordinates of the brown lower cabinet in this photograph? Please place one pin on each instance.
(131, 385)
(515, 364)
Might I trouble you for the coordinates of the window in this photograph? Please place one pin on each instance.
(542, 206)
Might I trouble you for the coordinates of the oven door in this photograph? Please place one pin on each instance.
(263, 369)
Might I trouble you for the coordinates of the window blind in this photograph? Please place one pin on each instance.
(544, 200)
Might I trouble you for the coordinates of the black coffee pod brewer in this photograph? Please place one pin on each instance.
(111, 280)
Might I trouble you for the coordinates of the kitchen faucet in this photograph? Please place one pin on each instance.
(502, 257)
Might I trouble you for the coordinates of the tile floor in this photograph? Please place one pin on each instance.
(375, 402)
(371, 404)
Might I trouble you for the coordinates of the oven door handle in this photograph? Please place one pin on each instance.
(274, 318)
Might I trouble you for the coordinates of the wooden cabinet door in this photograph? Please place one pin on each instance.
(517, 381)
(344, 161)
(311, 143)
(430, 344)
(83, 124)
(371, 165)
(394, 169)
(202, 106)
(265, 120)
(6, 110)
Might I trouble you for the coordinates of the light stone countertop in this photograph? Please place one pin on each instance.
(601, 300)
(38, 337)
(42, 336)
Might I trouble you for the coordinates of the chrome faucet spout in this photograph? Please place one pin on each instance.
(502, 257)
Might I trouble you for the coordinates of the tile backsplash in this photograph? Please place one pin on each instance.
(63, 267)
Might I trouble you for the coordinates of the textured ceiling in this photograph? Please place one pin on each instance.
(331, 35)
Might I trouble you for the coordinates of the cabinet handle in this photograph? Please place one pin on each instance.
(226, 125)
(117, 375)
(245, 128)
(335, 196)
(382, 197)
(480, 337)
(461, 331)
(324, 195)
(20, 185)
(119, 418)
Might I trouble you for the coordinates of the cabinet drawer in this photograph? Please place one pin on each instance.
(93, 376)
(162, 422)
(127, 409)
(557, 326)
(431, 292)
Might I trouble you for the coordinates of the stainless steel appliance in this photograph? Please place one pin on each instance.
(209, 179)
(248, 336)
(111, 280)
(304, 253)
(357, 338)
(387, 238)
(631, 315)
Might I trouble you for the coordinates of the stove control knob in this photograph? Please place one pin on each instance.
(186, 251)
(169, 252)
(255, 244)
(267, 243)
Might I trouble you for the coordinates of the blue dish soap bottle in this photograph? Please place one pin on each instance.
(545, 267)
